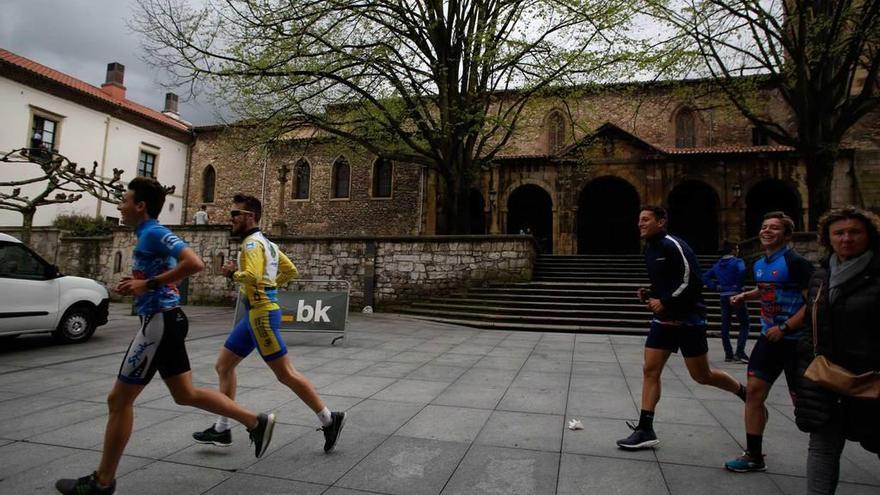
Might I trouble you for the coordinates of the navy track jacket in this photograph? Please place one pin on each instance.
(676, 280)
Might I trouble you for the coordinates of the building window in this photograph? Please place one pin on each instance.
(302, 174)
(43, 133)
(209, 178)
(117, 262)
(382, 173)
(555, 132)
(147, 165)
(341, 177)
(759, 138)
(685, 136)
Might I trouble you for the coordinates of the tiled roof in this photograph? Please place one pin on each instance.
(718, 150)
(94, 91)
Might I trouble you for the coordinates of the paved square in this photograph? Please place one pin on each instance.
(435, 409)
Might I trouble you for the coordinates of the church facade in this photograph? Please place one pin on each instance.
(574, 175)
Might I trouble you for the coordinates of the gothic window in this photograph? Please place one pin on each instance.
(382, 172)
(341, 177)
(209, 178)
(555, 131)
(685, 135)
(301, 179)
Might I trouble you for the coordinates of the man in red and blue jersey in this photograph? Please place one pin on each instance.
(782, 277)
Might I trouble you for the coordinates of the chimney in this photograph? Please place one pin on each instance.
(171, 105)
(113, 86)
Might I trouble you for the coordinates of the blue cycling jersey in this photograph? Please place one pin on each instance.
(781, 280)
(156, 252)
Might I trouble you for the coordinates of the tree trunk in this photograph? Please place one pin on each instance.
(27, 223)
(820, 173)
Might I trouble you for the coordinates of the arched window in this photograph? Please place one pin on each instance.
(555, 131)
(209, 177)
(341, 176)
(301, 179)
(382, 172)
(685, 135)
(117, 262)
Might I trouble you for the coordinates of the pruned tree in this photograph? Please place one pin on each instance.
(820, 56)
(61, 180)
(441, 84)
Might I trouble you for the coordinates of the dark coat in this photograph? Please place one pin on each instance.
(675, 277)
(849, 335)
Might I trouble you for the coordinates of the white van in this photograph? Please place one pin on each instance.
(36, 297)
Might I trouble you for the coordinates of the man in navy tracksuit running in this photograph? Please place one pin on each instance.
(679, 322)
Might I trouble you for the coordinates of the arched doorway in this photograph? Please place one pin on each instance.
(476, 214)
(693, 215)
(771, 195)
(530, 210)
(608, 216)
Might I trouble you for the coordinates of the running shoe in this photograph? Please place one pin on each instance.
(729, 358)
(213, 437)
(261, 435)
(87, 485)
(333, 430)
(746, 463)
(639, 439)
(742, 358)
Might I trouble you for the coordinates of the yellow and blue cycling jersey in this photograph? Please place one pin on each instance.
(262, 267)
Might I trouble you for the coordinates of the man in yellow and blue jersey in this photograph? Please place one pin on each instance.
(260, 270)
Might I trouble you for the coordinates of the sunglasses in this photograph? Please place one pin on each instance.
(235, 213)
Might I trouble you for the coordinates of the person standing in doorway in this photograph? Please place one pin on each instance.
(727, 276)
(782, 277)
(261, 269)
(201, 216)
(679, 322)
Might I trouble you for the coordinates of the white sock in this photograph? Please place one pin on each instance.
(324, 417)
(222, 424)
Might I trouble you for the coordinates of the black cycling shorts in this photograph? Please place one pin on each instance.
(159, 345)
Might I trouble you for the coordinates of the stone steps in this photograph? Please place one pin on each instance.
(586, 293)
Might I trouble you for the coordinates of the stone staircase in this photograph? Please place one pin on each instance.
(583, 294)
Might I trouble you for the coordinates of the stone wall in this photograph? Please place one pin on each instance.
(381, 270)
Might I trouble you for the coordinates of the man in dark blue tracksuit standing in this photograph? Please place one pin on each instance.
(679, 321)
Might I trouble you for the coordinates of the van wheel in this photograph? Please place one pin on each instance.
(77, 325)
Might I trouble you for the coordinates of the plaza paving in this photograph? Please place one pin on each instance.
(434, 409)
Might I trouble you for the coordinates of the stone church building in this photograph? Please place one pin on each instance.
(574, 175)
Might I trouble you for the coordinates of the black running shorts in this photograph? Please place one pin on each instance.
(769, 359)
(159, 345)
(691, 339)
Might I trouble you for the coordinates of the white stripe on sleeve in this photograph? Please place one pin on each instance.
(687, 268)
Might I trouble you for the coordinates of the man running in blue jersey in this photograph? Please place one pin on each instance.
(262, 267)
(160, 261)
(679, 322)
(782, 277)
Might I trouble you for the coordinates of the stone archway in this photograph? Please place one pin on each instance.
(476, 213)
(607, 219)
(530, 210)
(693, 215)
(771, 195)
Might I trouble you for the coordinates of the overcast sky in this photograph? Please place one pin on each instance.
(80, 37)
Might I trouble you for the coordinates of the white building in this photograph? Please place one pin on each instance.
(87, 124)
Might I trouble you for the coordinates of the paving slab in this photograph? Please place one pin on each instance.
(523, 430)
(407, 466)
(452, 424)
(488, 469)
(588, 475)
